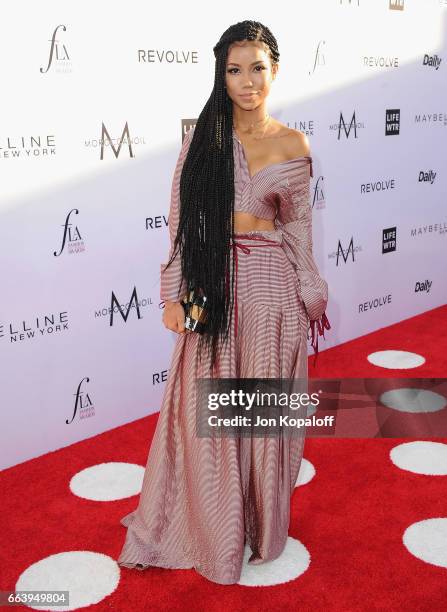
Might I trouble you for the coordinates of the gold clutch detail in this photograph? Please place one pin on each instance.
(195, 307)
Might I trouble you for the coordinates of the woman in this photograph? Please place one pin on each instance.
(242, 179)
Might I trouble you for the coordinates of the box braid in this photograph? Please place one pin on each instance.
(206, 221)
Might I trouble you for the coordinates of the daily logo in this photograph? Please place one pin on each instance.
(423, 286)
(433, 61)
(427, 177)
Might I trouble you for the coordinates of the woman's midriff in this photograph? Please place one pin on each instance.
(244, 222)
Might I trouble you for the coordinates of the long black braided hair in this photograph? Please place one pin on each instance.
(206, 222)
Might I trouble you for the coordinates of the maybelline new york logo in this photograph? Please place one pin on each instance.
(35, 327)
(31, 147)
(430, 229)
(438, 118)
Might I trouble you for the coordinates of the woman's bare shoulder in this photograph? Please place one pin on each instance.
(299, 143)
(295, 142)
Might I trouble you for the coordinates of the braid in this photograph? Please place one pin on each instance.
(206, 222)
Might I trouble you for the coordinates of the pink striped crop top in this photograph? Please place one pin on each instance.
(268, 190)
(279, 192)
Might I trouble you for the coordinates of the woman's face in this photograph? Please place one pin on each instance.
(248, 71)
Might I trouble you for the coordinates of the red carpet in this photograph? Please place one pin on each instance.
(350, 515)
(425, 333)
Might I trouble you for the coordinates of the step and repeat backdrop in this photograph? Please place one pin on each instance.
(94, 105)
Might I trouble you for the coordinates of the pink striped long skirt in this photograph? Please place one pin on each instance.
(203, 500)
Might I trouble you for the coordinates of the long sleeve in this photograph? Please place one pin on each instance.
(171, 277)
(294, 218)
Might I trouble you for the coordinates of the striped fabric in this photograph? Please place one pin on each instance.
(172, 285)
(281, 192)
(278, 191)
(204, 500)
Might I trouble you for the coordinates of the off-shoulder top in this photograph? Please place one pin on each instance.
(279, 191)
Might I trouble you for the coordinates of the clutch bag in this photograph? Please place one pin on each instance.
(195, 307)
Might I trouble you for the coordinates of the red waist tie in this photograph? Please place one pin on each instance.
(246, 249)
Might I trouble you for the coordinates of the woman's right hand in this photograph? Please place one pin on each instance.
(174, 317)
